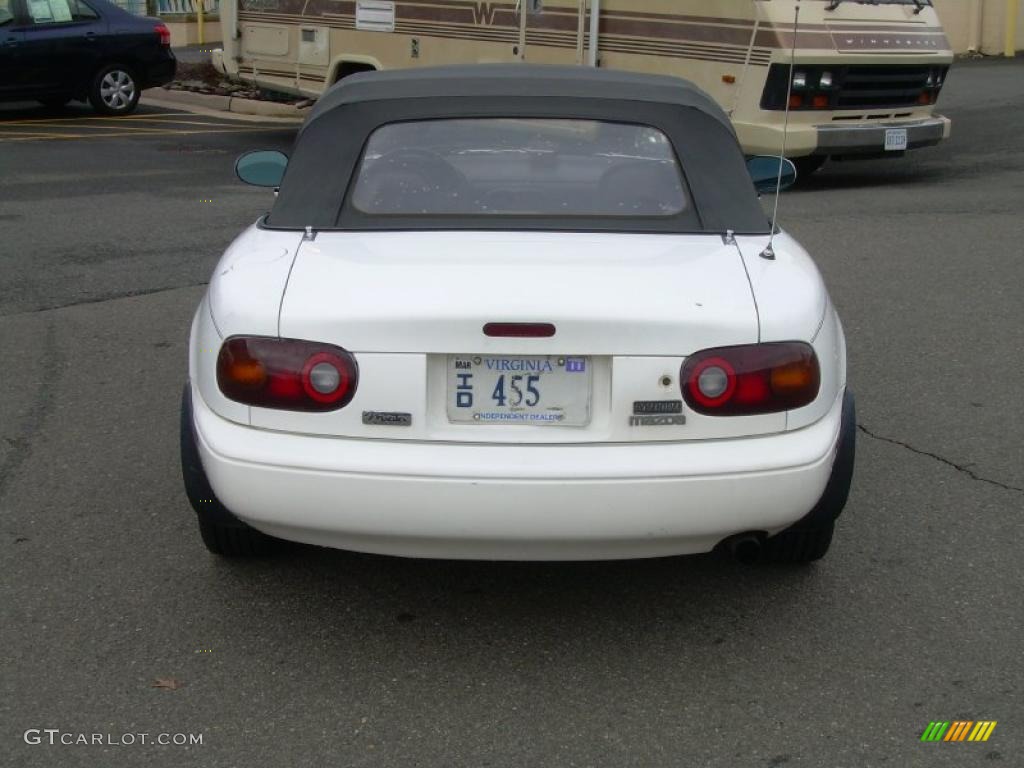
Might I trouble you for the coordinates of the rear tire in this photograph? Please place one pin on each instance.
(115, 91)
(222, 532)
(808, 166)
(810, 538)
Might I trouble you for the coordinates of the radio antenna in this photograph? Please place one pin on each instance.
(769, 251)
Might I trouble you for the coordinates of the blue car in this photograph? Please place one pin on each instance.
(56, 51)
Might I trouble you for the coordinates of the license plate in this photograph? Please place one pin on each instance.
(544, 390)
(895, 139)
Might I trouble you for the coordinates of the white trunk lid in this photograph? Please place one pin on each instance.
(432, 292)
(406, 304)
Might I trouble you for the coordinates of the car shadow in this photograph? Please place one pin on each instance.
(869, 174)
(699, 600)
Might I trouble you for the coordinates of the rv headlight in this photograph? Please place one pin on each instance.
(826, 80)
(799, 79)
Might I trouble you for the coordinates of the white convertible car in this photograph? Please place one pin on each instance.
(517, 313)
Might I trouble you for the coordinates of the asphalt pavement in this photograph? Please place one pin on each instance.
(114, 620)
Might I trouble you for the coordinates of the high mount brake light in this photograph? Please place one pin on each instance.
(286, 374)
(751, 379)
(520, 330)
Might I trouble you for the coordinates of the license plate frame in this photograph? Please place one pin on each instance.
(896, 140)
(519, 390)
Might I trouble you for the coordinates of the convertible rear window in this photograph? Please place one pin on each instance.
(519, 167)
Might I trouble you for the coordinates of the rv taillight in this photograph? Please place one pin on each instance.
(751, 379)
(164, 34)
(286, 374)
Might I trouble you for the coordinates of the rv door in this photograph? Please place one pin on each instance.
(533, 20)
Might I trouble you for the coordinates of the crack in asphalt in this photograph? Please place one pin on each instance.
(958, 467)
(36, 414)
(105, 298)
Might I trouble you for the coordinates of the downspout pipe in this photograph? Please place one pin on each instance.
(977, 15)
(581, 22)
(523, 12)
(595, 27)
(1010, 43)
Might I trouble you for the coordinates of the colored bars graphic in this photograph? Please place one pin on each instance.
(958, 730)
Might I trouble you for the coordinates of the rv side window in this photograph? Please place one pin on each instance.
(519, 167)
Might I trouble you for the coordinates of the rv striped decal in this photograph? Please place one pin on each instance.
(680, 35)
(609, 42)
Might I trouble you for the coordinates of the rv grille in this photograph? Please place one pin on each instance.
(858, 86)
(865, 87)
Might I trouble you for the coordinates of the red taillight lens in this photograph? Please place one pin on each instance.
(164, 34)
(286, 374)
(751, 379)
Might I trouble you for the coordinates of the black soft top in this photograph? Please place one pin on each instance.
(516, 80)
(329, 146)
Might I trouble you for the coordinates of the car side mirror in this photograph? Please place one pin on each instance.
(764, 170)
(262, 168)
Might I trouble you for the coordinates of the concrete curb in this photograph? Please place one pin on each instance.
(229, 104)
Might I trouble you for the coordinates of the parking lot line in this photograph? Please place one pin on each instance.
(28, 134)
(83, 118)
(46, 127)
(100, 122)
(122, 134)
(209, 121)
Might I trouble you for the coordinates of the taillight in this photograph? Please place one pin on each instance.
(751, 379)
(286, 374)
(164, 34)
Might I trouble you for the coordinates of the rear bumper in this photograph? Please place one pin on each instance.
(861, 137)
(502, 502)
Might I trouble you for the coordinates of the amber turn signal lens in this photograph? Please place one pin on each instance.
(246, 372)
(797, 376)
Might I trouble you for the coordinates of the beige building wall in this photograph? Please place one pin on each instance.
(961, 19)
(187, 32)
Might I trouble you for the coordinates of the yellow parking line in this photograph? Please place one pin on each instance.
(46, 137)
(80, 126)
(83, 118)
(29, 134)
(98, 123)
(180, 122)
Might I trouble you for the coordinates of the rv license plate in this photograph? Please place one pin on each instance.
(895, 139)
(540, 390)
